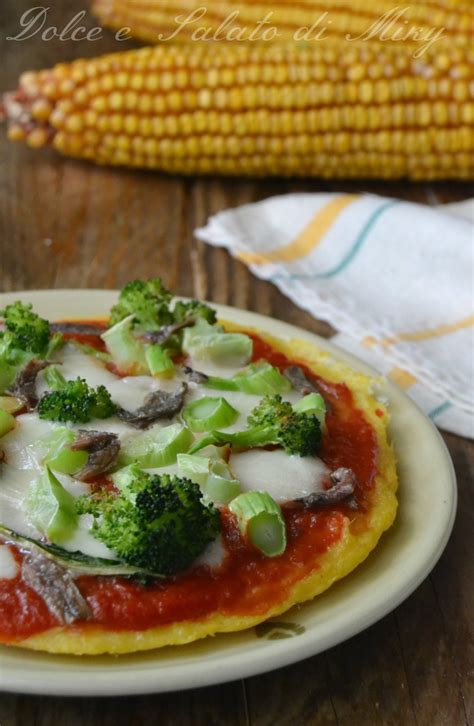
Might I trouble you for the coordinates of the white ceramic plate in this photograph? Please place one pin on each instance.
(404, 557)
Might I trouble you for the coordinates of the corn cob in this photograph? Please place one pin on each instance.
(152, 20)
(333, 110)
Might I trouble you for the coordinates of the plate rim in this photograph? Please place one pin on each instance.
(280, 652)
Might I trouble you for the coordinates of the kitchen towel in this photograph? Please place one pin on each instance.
(394, 278)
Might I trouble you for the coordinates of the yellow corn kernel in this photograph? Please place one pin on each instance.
(16, 132)
(329, 110)
(41, 109)
(74, 123)
(99, 104)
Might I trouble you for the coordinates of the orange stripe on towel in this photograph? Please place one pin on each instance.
(402, 378)
(308, 239)
(429, 333)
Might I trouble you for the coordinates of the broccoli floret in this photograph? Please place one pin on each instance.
(76, 402)
(193, 309)
(147, 300)
(273, 421)
(25, 330)
(158, 523)
(26, 336)
(298, 433)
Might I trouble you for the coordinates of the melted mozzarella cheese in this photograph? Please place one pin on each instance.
(14, 486)
(130, 392)
(74, 364)
(82, 540)
(19, 445)
(212, 369)
(213, 556)
(284, 477)
(8, 565)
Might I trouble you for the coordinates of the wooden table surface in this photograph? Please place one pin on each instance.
(65, 224)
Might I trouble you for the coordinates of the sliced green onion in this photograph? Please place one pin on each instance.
(210, 342)
(159, 446)
(216, 453)
(7, 422)
(11, 404)
(259, 378)
(260, 519)
(209, 413)
(8, 373)
(196, 468)
(262, 378)
(57, 341)
(219, 487)
(54, 378)
(202, 329)
(213, 476)
(51, 508)
(314, 404)
(67, 461)
(159, 361)
(57, 452)
(90, 350)
(126, 350)
(227, 349)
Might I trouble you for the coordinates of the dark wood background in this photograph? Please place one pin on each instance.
(68, 224)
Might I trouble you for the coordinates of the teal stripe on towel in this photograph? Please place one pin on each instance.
(351, 254)
(439, 410)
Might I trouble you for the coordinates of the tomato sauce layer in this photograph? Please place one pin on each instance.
(247, 583)
(94, 341)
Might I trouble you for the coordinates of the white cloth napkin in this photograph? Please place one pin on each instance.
(394, 278)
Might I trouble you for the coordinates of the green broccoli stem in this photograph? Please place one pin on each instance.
(252, 438)
(54, 378)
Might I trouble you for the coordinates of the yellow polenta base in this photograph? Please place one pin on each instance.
(337, 562)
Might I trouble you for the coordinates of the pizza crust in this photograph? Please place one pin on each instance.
(337, 562)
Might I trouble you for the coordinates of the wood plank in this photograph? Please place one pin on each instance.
(453, 578)
(371, 687)
(432, 676)
(217, 706)
(298, 694)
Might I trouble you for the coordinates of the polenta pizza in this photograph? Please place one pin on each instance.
(165, 476)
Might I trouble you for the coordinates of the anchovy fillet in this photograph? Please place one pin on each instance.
(157, 405)
(24, 386)
(343, 483)
(195, 376)
(299, 380)
(103, 449)
(167, 331)
(76, 328)
(57, 588)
